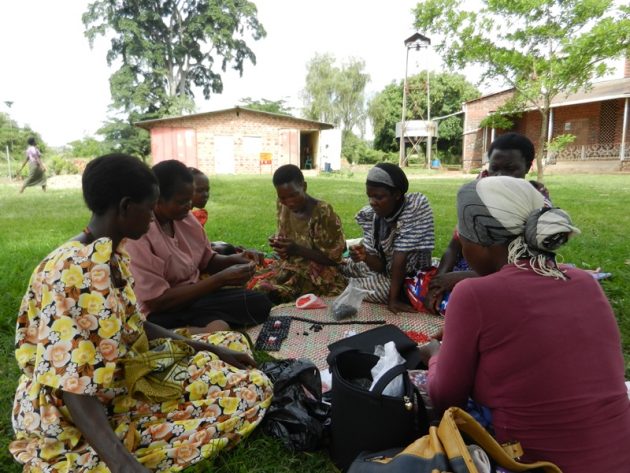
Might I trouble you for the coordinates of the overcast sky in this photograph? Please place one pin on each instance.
(59, 86)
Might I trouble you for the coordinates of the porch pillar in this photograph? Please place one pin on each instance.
(622, 151)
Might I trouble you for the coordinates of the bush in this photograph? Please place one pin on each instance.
(59, 165)
(358, 151)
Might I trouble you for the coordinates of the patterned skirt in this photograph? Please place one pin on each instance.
(221, 406)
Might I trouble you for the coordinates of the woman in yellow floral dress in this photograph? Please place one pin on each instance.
(103, 390)
(309, 242)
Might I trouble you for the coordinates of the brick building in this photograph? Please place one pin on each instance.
(244, 141)
(599, 119)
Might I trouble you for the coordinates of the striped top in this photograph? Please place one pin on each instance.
(412, 232)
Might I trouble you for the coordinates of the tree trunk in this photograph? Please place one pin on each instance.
(542, 140)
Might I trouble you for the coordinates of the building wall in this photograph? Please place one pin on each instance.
(241, 124)
(596, 125)
(476, 139)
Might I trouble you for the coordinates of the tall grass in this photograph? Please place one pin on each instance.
(242, 211)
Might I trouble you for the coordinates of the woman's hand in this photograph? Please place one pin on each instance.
(252, 255)
(284, 246)
(237, 274)
(357, 253)
(400, 306)
(441, 284)
(427, 351)
(235, 358)
(91, 420)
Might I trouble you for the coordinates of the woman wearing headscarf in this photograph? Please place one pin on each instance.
(398, 237)
(535, 342)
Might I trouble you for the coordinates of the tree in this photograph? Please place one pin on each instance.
(87, 147)
(121, 136)
(166, 48)
(14, 138)
(264, 105)
(336, 94)
(448, 91)
(541, 48)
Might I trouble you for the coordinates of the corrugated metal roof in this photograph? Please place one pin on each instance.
(156, 121)
(598, 92)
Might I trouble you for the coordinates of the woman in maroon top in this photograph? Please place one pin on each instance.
(536, 343)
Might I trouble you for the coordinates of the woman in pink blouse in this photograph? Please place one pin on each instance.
(179, 280)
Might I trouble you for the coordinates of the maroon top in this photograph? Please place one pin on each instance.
(545, 356)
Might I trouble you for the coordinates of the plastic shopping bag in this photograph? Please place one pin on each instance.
(349, 301)
(388, 358)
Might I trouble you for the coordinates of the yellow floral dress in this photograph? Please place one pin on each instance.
(73, 329)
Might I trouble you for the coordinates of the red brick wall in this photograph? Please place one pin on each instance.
(475, 112)
(239, 124)
(584, 121)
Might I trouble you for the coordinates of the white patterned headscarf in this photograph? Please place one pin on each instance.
(509, 211)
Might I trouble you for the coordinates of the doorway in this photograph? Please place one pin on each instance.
(308, 149)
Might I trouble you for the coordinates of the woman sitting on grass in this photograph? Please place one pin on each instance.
(180, 280)
(201, 194)
(536, 343)
(309, 241)
(512, 155)
(397, 237)
(101, 388)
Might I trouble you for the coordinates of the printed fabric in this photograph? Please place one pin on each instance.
(289, 278)
(201, 215)
(74, 328)
(412, 232)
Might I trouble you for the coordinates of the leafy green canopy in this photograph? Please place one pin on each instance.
(265, 105)
(447, 92)
(14, 138)
(335, 94)
(542, 48)
(166, 48)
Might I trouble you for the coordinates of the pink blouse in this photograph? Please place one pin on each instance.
(159, 261)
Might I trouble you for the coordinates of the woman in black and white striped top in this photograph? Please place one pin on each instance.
(398, 237)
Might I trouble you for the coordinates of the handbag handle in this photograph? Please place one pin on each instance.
(387, 377)
(331, 359)
(382, 382)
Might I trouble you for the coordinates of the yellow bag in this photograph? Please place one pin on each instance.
(443, 450)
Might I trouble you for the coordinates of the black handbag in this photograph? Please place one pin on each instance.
(369, 420)
(367, 341)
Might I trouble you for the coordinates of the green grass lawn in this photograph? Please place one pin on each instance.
(242, 210)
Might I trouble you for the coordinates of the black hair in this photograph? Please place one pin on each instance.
(195, 171)
(287, 174)
(107, 179)
(515, 141)
(31, 141)
(169, 174)
(397, 176)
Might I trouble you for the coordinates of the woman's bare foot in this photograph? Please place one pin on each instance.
(214, 326)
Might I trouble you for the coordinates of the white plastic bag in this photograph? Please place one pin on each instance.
(389, 357)
(348, 303)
